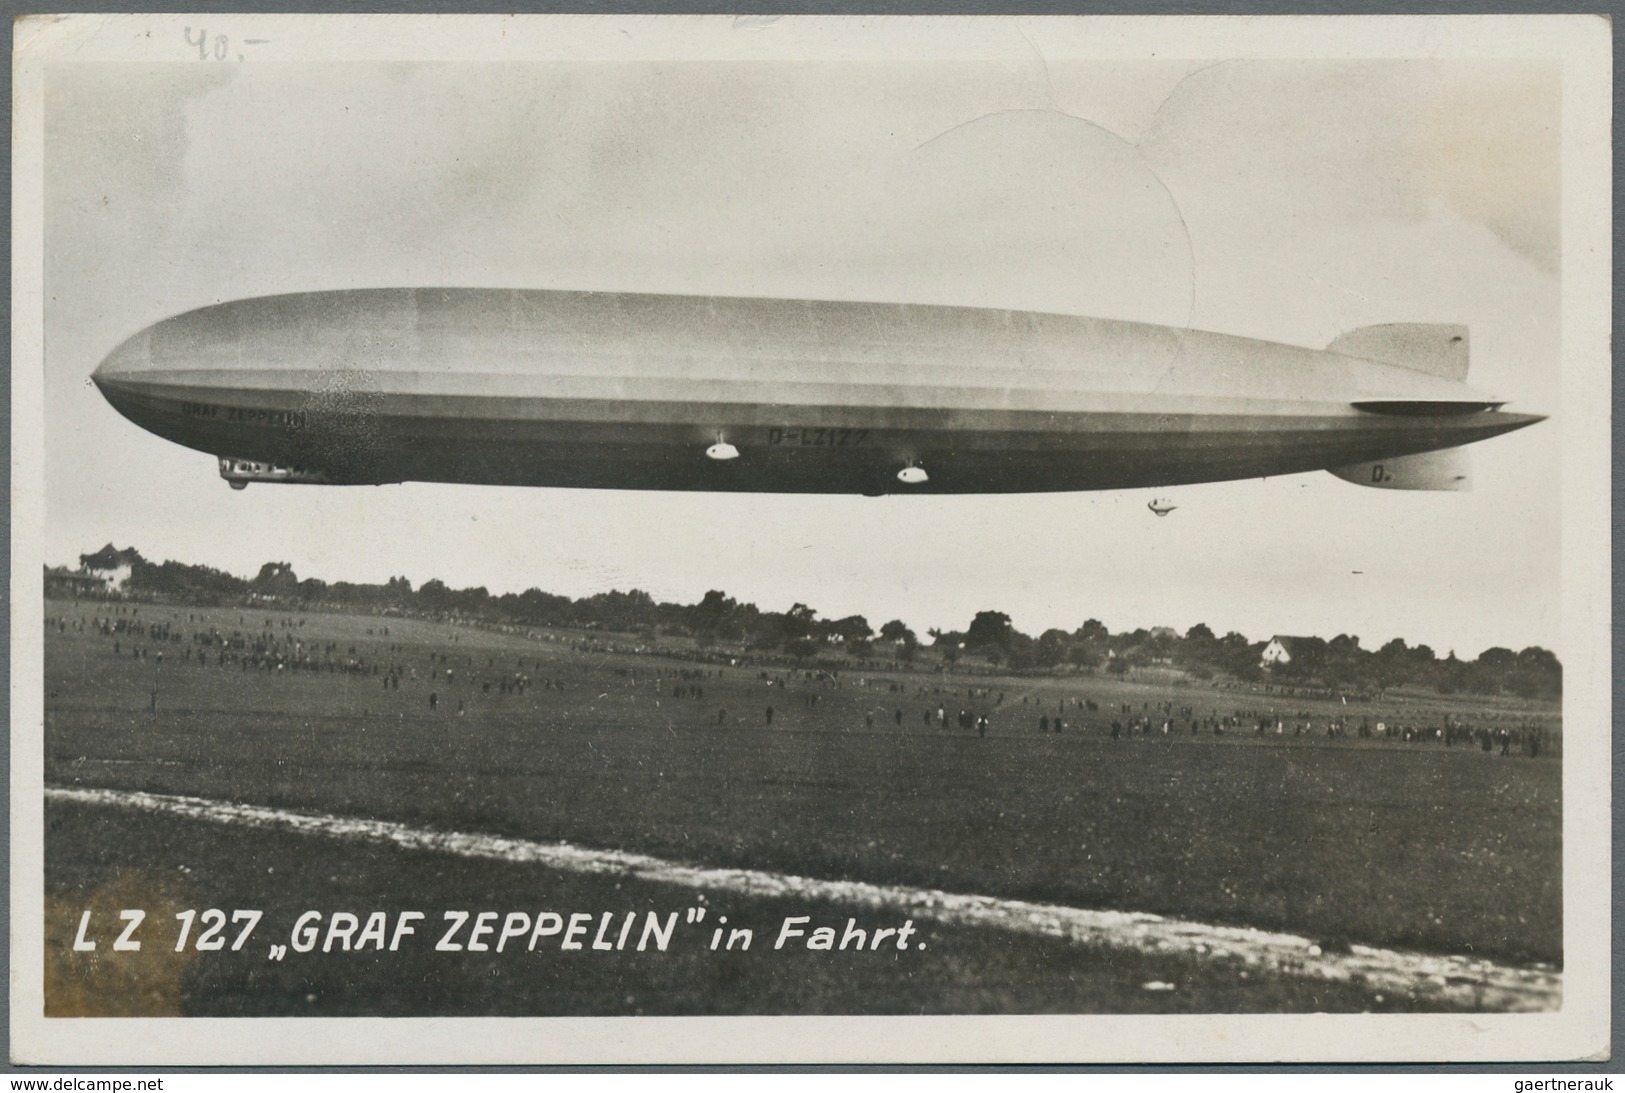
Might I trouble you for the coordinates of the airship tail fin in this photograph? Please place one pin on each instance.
(1439, 349)
(1450, 469)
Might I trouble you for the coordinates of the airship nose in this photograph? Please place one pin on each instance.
(123, 368)
(130, 383)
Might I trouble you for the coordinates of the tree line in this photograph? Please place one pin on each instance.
(800, 634)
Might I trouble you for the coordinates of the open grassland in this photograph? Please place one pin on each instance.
(1344, 840)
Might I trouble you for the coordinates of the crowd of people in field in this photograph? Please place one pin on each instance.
(449, 679)
(278, 647)
(1528, 738)
(973, 708)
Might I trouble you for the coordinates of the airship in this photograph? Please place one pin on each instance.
(606, 390)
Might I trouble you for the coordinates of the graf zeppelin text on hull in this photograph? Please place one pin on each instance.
(656, 392)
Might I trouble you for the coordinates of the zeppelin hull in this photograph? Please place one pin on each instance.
(508, 387)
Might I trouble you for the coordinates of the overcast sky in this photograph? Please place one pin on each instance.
(1285, 200)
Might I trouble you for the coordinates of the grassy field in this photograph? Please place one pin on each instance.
(1345, 840)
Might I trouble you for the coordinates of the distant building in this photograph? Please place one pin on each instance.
(116, 578)
(89, 579)
(1164, 633)
(63, 581)
(1278, 651)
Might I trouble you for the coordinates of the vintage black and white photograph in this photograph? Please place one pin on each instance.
(1049, 539)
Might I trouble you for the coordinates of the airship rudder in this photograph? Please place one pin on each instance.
(1438, 349)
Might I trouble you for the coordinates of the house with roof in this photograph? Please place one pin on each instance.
(62, 581)
(115, 577)
(1279, 651)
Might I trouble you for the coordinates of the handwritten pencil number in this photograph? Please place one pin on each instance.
(218, 48)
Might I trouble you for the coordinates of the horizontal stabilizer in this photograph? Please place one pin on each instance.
(1439, 349)
(1425, 408)
(1449, 469)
